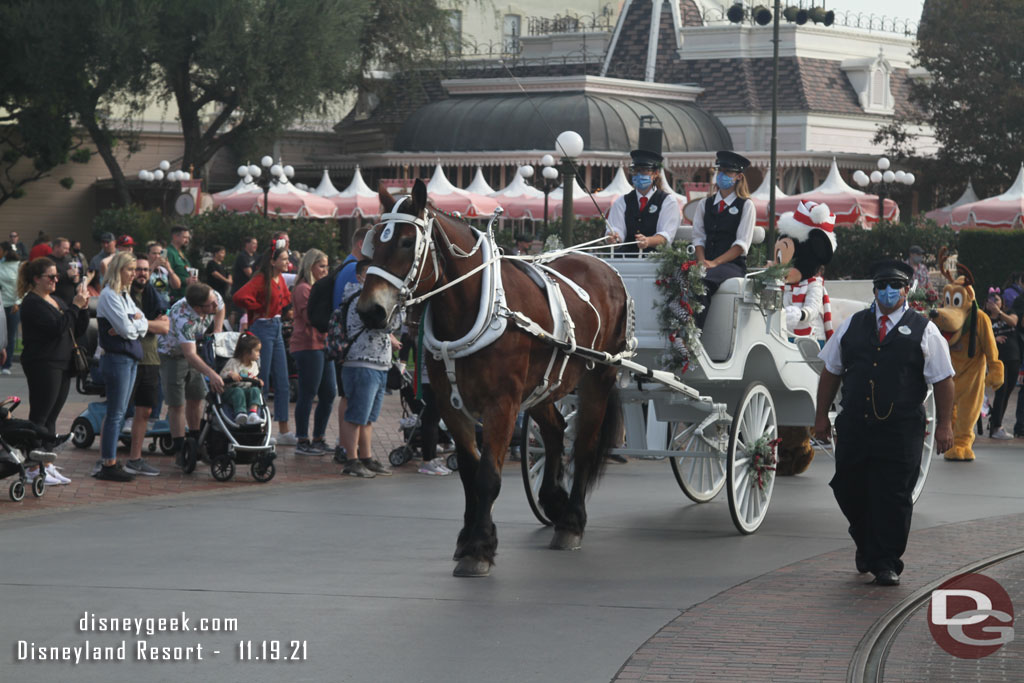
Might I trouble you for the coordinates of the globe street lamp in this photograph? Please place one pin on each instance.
(277, 174)
(165, 177)
(570, 145)
(883, 178)
(546, 184)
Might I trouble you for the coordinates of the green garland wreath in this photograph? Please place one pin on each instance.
(681, 281)
(763, 460)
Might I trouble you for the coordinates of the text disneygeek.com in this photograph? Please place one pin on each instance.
(142, 649)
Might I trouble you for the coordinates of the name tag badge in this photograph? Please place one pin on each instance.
(733, 210)
(903, 329)
(653, 209)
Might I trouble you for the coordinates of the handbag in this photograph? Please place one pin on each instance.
(79, 359)
(394, 380)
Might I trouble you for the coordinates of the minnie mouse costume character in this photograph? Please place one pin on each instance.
(807, 242)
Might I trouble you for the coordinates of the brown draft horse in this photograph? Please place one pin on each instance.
(495, 380)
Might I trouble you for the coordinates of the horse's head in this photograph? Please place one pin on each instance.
(399, 248)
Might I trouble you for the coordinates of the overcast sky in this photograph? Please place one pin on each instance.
(904, 9)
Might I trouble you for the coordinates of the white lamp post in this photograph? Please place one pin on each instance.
(276, 175)
(883, 178)
(569, 144)
(165, 177)
(547, 182)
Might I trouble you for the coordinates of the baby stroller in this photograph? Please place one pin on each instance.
(18, 437)
(221, 441)
(412, 411)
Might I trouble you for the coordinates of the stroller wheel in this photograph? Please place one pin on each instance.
(17, 490)
(166, 444)
(400, 456)
(82, 433)
(189, 456)
(223, 468)
(39, 486)
(452, 462)
(262, 471)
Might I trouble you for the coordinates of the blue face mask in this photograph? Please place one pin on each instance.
(642, 182)
(888, 296)
(723, 181)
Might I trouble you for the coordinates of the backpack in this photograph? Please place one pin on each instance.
(321, 299)
(338, 342)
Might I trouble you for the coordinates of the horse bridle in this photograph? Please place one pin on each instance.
(424, 248)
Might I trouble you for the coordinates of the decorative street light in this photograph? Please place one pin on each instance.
(570, 145)
(165, 177)
(546, 184)
(277, 175)
(883, 178)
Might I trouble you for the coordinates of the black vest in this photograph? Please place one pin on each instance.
(720, 229)
(883, 381)
(637, 223)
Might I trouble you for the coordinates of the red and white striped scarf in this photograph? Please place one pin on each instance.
(799, 294)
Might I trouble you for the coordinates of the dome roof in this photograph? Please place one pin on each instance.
(509, 122)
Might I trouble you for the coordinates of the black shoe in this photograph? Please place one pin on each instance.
(615, 457)
(887, 577)
(340, 455)
(114, 473)
(862, 564)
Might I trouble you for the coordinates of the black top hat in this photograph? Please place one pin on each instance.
(644, 158)
(731, 161)
(891, 269)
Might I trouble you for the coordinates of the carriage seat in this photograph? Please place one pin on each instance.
(719, 332)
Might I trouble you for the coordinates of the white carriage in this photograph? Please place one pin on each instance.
(749, 377)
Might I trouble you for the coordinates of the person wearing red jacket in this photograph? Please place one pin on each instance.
(263, 298)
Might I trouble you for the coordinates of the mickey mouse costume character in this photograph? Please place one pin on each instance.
(807, 242)
(723, 226)
(647, 217)
(884, 357)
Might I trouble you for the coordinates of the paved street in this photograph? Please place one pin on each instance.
(360, 571)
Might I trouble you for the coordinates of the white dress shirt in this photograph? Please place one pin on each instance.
(744, 231)
(668, 220)
(937, 363)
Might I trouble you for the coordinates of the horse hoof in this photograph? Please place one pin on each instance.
(458, 555)
(566, 540)
(468, 566)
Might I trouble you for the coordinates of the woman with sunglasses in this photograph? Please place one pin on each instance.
(47, 326)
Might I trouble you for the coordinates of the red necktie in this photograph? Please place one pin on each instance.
(643, 204)
(721, 206)
(883, 322)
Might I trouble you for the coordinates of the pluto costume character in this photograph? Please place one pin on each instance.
(807, 242)
(972, 347)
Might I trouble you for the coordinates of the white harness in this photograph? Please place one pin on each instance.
(493, 313)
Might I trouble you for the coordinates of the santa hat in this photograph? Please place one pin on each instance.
(807, 217)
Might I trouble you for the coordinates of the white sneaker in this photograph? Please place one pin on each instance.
(434, 467)
(50, 481)
(254, 419)
(5, 371)
(242, 419)
(127, 427)
(287, 439)
(51, 471)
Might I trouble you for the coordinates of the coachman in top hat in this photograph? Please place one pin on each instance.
(649, 216)
(885, 357)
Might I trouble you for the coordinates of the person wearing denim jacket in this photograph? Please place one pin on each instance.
(121, 329)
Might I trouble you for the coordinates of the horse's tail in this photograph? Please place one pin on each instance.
(608, 438)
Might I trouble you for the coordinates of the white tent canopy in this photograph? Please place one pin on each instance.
(763, 190)
(326, 188)
(479, 185)
(358, 187)
(518, 188)
(834, 183)
(618, 186)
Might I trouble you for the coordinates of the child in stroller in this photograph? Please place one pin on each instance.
(244, 365)
(223, 439)
(18, 437)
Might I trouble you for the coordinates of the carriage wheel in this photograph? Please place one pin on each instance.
(754, 418)
(82, 433)
(532, 457)
(701, 471)
(929, 444)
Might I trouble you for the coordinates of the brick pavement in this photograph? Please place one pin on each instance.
(85, 490)
(803, 622)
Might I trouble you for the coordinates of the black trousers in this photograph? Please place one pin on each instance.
(430, 420)
(1010, 369)
(713, 279)
(877, 465)
(47, 391)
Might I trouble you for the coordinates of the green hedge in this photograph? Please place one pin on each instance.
(220, 227)
(991, 255)
(858, 248)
